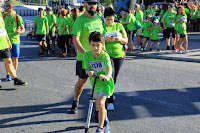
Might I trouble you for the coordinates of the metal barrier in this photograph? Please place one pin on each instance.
(27, 12)
(28, 24)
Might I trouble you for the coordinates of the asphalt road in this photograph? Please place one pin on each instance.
(152, 96)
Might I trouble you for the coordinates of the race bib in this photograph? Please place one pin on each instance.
(191, 12)
(2, 31)
(115, 34)
(171, 23)
(97, 66)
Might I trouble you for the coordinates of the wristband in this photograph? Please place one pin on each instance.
(108, 76)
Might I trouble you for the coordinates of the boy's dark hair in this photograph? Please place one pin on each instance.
(109, 12)
(81, 8)
(96, 37)
(40, 9)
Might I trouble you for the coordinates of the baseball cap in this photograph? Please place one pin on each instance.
(156, 21)
(184, 19)
(122, 12)
(48, 8)
(91, 1)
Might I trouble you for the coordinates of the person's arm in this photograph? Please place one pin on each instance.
(127, 22)
(164, 23)
(34, 27)
(70, 29)
(78, 44)
(64, 28)
(9, 43)
(54, 24)
(47, 26)
(18, 31)
(108, 75)
(140, 19)
(123, 40)
(90, 73)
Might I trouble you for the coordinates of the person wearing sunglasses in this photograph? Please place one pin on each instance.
(84, 25)
(14, 26)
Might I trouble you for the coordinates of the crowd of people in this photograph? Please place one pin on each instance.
(100, 38)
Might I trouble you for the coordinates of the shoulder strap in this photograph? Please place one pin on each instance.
(4, 16)
(16, 16)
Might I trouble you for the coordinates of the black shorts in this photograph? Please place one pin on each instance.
(198, 20)
(5, 53)
(147, 38)
(80, 71)
(182, 35)
(41, 37)
(154, 40)
(170, 30)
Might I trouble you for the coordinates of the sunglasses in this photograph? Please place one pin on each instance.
(92, 3)
(6, 6)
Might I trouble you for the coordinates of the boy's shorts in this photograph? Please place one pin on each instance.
(147, 38)
(5, 53)
(15, 51)
(154, 40)
(139, 32)
(80, 71)
(101, 94)
(41, 37)
(182, 35)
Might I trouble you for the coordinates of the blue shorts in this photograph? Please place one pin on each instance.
(15, 51)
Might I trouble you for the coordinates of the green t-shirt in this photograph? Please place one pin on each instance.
(114, 49)
(41, 25)
(11, 27)
(3, 39)
(82, 27)
(148, 11)
(44, 13)
(58, 20)
(71, 21)
(169, 18)
(187, 11)
(100, 14)
(56, 16)
(182, 28)
(146, 33)
(198, 13)
(138, 15)
(62, 23)
(155, 32)
(193, 14)
(178, 17)
(99, 65)
(124, 20)
(50, 21)
(131, 26)
(144, 14)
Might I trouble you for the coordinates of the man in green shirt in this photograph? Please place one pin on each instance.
(14, 28)
(42, 31)
(52, 28)
(83, 26)
(139, 17)
(5, 45)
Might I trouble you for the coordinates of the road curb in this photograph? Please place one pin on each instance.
(154, 56)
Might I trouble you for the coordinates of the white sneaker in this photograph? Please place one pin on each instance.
(180, 52)
(139, 47)
(186, 51)
(110, 107)
(136, 47)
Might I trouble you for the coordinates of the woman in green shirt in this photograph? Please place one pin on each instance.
(169, 25)
(115, 37)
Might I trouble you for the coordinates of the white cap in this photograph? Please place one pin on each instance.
(156, 21)
(184, 19)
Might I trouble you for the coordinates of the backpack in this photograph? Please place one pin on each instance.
(16, 17)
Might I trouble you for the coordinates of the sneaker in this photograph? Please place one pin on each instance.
(106, 129)
(100, 130)
(180, 52)
(53, 51)
(182, 49)
(173, 47)
(144, 49)
(41, 54)
(61, 53)
(8, 77)
(176, 50)
(186, 51)
(159, 50)
(64, 54)
(110, 107)
(150, 49)
(18, 82)
(74, 109)
(136, 47)
(139, 47)
(48, 52)
(168, 47)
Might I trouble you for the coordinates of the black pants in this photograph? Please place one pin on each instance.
(63, 40)
(164, 32)
(116, 64)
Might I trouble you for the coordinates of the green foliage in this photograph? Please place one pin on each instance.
(106, 2)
